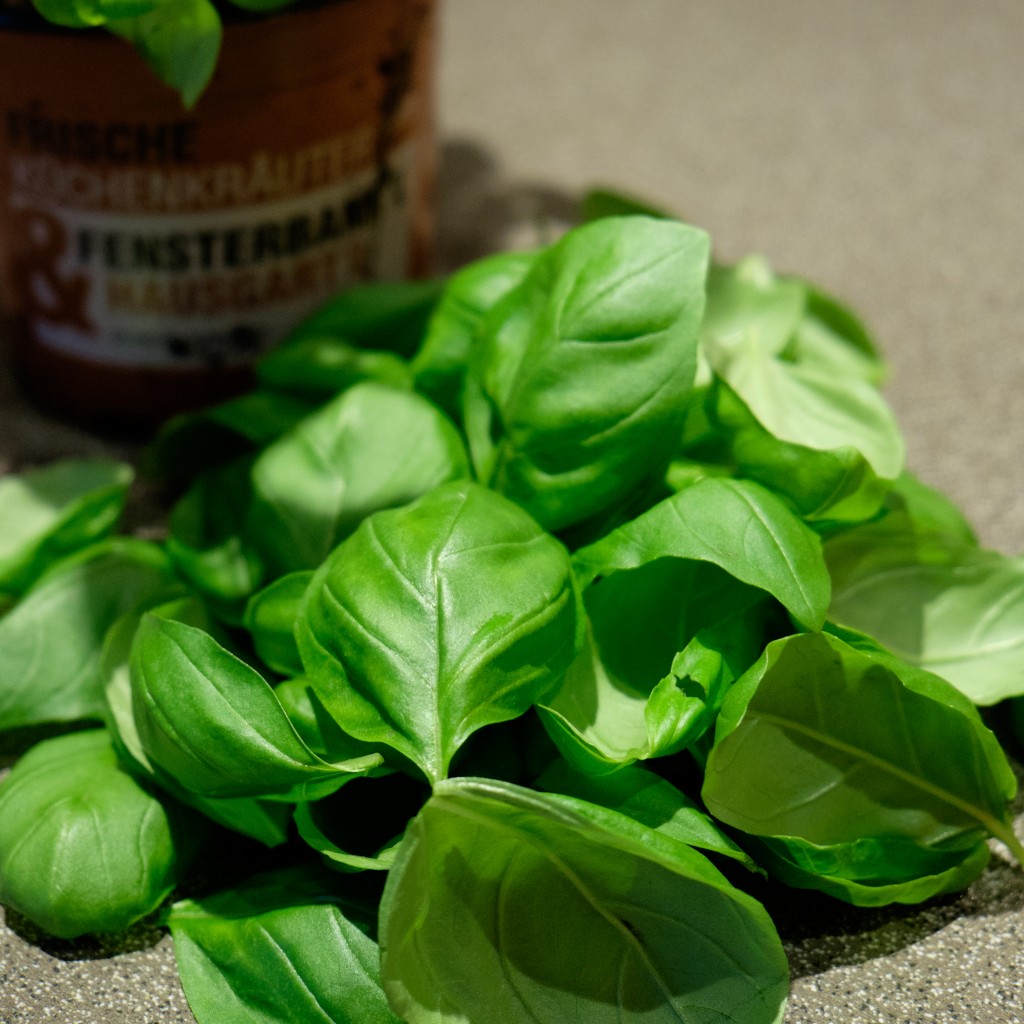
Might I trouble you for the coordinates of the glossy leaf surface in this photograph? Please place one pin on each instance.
(826, 743)
(214, 723)
(563, 910)
(84, 847)
(371, 448)
(435, 619)
(50, 642)
(577, 389)
(278, 950)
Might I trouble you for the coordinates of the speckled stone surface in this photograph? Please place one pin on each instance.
(877, 147)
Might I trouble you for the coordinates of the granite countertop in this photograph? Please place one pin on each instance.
(877, 148)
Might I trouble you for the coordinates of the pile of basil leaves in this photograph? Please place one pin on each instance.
(508, 616)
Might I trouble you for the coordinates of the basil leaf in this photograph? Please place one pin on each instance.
(371, 448)
(439, 367)
(215, 725)
(829, 446)
(193, 443)
(648, 799)
(390, 315)
(180, 40)
(436, 619)
(207, 538)
(279, 950)
(671, 576)
(90, 13)
(734, 524)
(263, 821)
(577, 390)
(50, 642)
(917, 582)
(806, 866)
(83, 846)
(317, 367)
(750, 308)
(49, 513)
(270, 617)
(963, 620)
(320, 732)
(561, 909)
(825, 743)
(616, 704)
(604, 202)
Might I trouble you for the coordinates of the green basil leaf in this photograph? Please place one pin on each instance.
(317, 729)
(317, 367)
(577, 390)
(49, 513)
(90, 13)
(264, 821)
(734, 524)
(605, 202)
(563, 910)
(390, 315)
(279, 950)
(831, 446)
(213, 723)
(648, 799)
(826, 743)
(193, 443)
(829, 869)
(83, 846)
(438, 618)
(917, 582)
(663, 580)
(371, 448)
(749, 308)
(50, 642)
(616, 704)
(270, 617)
(207, 538)
(963, 620)
(439, 367)
(179, 40)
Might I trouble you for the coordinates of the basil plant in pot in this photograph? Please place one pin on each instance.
(159, 231)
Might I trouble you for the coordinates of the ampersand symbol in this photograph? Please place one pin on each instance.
(40, 242)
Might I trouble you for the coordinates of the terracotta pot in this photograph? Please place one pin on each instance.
(148, 252)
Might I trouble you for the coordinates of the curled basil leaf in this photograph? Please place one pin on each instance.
(830, 744)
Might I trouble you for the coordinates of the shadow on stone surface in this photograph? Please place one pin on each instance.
(99, 946)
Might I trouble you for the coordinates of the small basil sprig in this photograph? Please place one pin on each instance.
(179, 39)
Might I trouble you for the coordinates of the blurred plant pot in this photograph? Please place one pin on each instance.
(148, 253)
